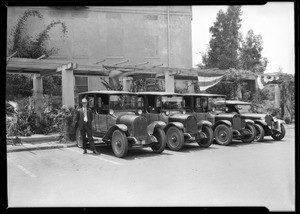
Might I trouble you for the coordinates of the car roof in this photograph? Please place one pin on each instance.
(204, 95)
(158, 93)
(237, 102)
(107, 92)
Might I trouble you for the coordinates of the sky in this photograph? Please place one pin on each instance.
(273, 21)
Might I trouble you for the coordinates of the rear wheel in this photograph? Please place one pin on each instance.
(162, 141)
(279, 136)
(78, 138)
(206, 142)
(119, 143)
(175, 138)
(223, 134)
(251, 137)
(260, 133)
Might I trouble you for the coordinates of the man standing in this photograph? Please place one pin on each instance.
(84, 118)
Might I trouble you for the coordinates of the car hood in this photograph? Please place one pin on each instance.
(224, 115)
(125, 117)
(253, 115)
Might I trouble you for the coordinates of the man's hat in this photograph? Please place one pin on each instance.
(84, 100)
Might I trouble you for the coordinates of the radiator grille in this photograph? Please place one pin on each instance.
(139, 127)
(237, 122)
(268, 120)
(191, 125)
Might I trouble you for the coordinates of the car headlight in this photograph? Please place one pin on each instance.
(167, 113)
(213, 109)
(111, 112)
(140, 111)
(183, 111)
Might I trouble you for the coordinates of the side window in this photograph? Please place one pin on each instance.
(204, 104)
(102, 103)
(91, 103)
(197, 104)
(158, 102)
(140, 102)
(150, 104)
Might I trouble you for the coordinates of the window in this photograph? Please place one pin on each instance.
(140, 102)
(102, 104)
(151, 17)
(91, 100)
(81, 84)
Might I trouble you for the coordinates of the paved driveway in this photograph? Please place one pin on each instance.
(257, 174)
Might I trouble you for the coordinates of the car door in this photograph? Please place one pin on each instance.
(100, 117)
(199, 109)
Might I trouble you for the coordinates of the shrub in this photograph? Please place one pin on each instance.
(56, 119)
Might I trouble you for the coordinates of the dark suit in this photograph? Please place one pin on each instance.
(85, 127)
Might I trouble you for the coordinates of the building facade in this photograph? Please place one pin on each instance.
(156, 35)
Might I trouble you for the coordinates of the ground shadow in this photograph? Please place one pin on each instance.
(132, 153)
(237, 143)
(193, 147)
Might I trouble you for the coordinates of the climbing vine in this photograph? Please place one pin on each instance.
(32, 47)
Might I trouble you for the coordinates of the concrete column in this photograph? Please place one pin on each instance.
(169, 82)
(38, 96)
(126, 83)
(67, 86)
(277, 96)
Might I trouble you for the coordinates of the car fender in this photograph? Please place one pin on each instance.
(260, 122)
(248, 121)
(177, 124)
(204, 122)
(226, 122)
(156, 124)
(109, 133)
(280, 121)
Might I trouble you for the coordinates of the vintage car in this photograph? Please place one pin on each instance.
(179, 127)
(116, 123)
(265, 124)
(226, 126)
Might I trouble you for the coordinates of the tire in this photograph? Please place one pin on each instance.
(260, 133)
(281, 135)
(160, 146)
(250, 139)
(175, 138)
(119, 143)
(78, 138)
(210, 137)
(223, 134)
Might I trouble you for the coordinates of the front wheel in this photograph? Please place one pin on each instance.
(279, 136)
(160, 146)
(251, 137)
(78, 138)
(175, 138)
(119, 143)
(260, 133)
(206, 142)
(223, 134)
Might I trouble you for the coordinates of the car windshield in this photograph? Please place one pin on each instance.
(218, 103)
(244, 109)
(171, 102)
(123, 102)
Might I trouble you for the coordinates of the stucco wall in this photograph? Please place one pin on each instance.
(138, 34)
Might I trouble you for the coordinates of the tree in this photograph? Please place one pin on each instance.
(30, 47)
(250, 53)
(224, 44)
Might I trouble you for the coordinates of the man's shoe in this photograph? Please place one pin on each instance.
(95, 152)
(84, 152)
